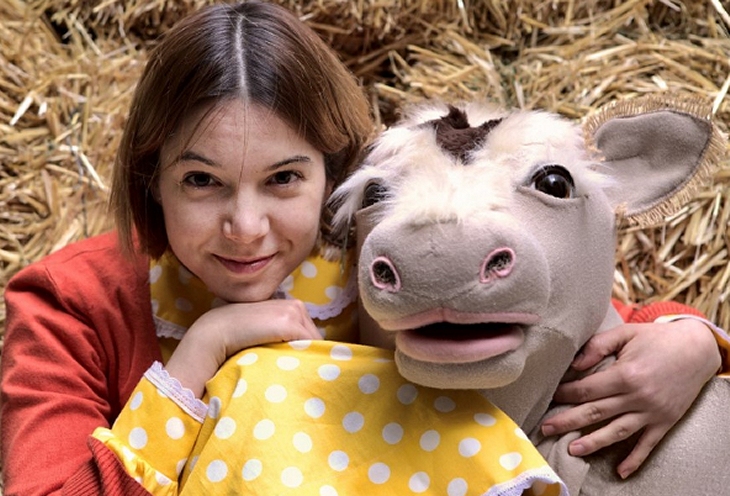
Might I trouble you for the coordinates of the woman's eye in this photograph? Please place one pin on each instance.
(374, 193)
(285, 177)
(199, 180)
(554, 180)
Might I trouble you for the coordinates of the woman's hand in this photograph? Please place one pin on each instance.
(223, 331)
(659, 371)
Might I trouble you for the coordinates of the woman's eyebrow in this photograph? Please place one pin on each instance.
(290, 160)
(189, 155)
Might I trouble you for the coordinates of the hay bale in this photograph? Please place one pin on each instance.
(68, 69)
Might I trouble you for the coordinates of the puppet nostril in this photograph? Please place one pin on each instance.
(497, 264)
(384, 275)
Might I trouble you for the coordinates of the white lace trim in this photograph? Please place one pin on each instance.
(525, 480)
(170, 387)
(165, 329)
(347, 296)
(719, 331)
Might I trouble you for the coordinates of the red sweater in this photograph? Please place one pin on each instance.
(79, 335)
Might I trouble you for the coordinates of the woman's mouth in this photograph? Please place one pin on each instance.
(248, 266)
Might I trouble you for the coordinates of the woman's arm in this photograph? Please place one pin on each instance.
(56, 389)
(660, 369)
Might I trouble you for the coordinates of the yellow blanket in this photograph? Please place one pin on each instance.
(325, 418)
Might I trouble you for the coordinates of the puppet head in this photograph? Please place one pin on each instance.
(487, 238)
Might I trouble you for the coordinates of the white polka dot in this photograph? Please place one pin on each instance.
(193, 462)
(457, 487)
(214, 407)
(353, 422)
(485, 419)
(469, 447)
(521, 434)
(302, 442)
(180, 466)
(155, 273)
(184, 275)
(247, 358)
(276, 393)
(419, 482)
(138, 438)
(300, 344)
(392, 433)
(241, 388)
(136, 401)
(333, 292)
(314, 407)
(308, 270)
(175, 428)
(162, 479)
(216, 471)
(368, 383)
(379, 473)
(430, 440)
(287, 284)
(287, 363)
(264, 429)
(225, 428)
(338, 460)
(407, 394)
(183, 305)
(444, 404)
(252, 469)
(341, 352)
(155, 306)
(510, 461)
(329, 372)
(292, 477)
(327, 491)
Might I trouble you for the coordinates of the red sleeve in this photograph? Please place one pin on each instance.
(104, 474)
(636, 314)
(63, 361)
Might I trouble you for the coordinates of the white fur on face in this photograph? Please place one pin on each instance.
(425, 184)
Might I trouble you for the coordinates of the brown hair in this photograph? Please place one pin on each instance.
(256, 51)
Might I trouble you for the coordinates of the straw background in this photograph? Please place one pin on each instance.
(68, 69)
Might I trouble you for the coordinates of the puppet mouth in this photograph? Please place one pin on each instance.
(445, 342)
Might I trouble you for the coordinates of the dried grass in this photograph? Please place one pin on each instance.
(68, 68)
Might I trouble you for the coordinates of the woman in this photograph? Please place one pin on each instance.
(241, 209)
(241, 125)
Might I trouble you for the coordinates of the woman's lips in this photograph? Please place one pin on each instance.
(250, 266)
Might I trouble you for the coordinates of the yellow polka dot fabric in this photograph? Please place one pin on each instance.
(152, 437)
(325, 418)
(327, 288)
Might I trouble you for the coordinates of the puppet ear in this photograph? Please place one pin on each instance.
(658, 151)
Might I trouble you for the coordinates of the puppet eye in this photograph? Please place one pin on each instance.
(554, 180)
(374, 192)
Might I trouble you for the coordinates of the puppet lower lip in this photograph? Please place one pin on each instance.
(453, 343)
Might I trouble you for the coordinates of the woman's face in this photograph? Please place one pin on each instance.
(242, 195)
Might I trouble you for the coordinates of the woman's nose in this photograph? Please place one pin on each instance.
(247, 219)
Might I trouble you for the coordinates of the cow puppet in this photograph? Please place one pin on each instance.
(487, 242)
